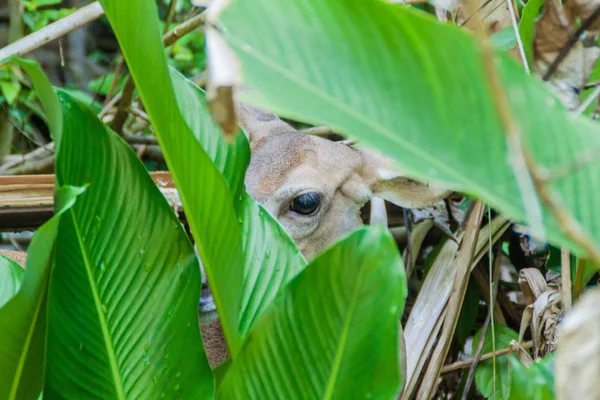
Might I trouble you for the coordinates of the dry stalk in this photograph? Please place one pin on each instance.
(463, 261)
(565, 269)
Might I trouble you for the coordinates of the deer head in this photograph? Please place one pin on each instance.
(315, 188)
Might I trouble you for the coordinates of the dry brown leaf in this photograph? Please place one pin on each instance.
(438, 213)
(552, 32)
(532, 284)
(494, 13)
(578, 351)
(543, 311)
(417, 236)
(547, 311)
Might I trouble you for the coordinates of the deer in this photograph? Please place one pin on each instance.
(315, 188)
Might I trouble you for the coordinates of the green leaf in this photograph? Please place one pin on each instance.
(505, 39)
(204, 192)
(533, 383)
(10, 90)
(416, 90)
(45, 92)
(124, 292)
(527, 27)
(333, 332)
(23, 317)
(11, 277)
(493, 380)
(271, 260)
(264, 258)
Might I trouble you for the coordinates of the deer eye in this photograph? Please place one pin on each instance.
(306, 203)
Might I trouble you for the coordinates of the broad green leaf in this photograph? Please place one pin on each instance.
(415, 89)
(533, 383)
(188, 135)
(271, 259)
(527, 27)
(204, 192)
(23, 317)
(45, 92)
(124, 292)
(493, 380)
(11, 277)
(333, 332)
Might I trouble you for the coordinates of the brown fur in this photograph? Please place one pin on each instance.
(17, 256)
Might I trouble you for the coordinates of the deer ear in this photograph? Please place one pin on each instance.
(258, 123)
(386, 181)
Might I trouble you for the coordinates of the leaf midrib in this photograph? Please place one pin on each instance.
(120, 392)
(27, 344)
(339, 354)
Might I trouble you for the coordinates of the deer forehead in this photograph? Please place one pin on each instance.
(286, 164)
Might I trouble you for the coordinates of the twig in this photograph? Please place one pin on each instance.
(588, 100)
(578, 287)
(565, 269)
(140, 114)
(115, 80)
(32, 167)
(566, 49)
(141, 139)
(513, 20)
(53, 31)
(127, 92)
(110, 105)
(465, 363)
(170, 15)
(183, 29)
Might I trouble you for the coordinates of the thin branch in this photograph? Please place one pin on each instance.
(513, 20)
(127, 93)
(170, 15)
(466, 363)
(566, 49)
(565, 269)
(588, 100)
(53, 31)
